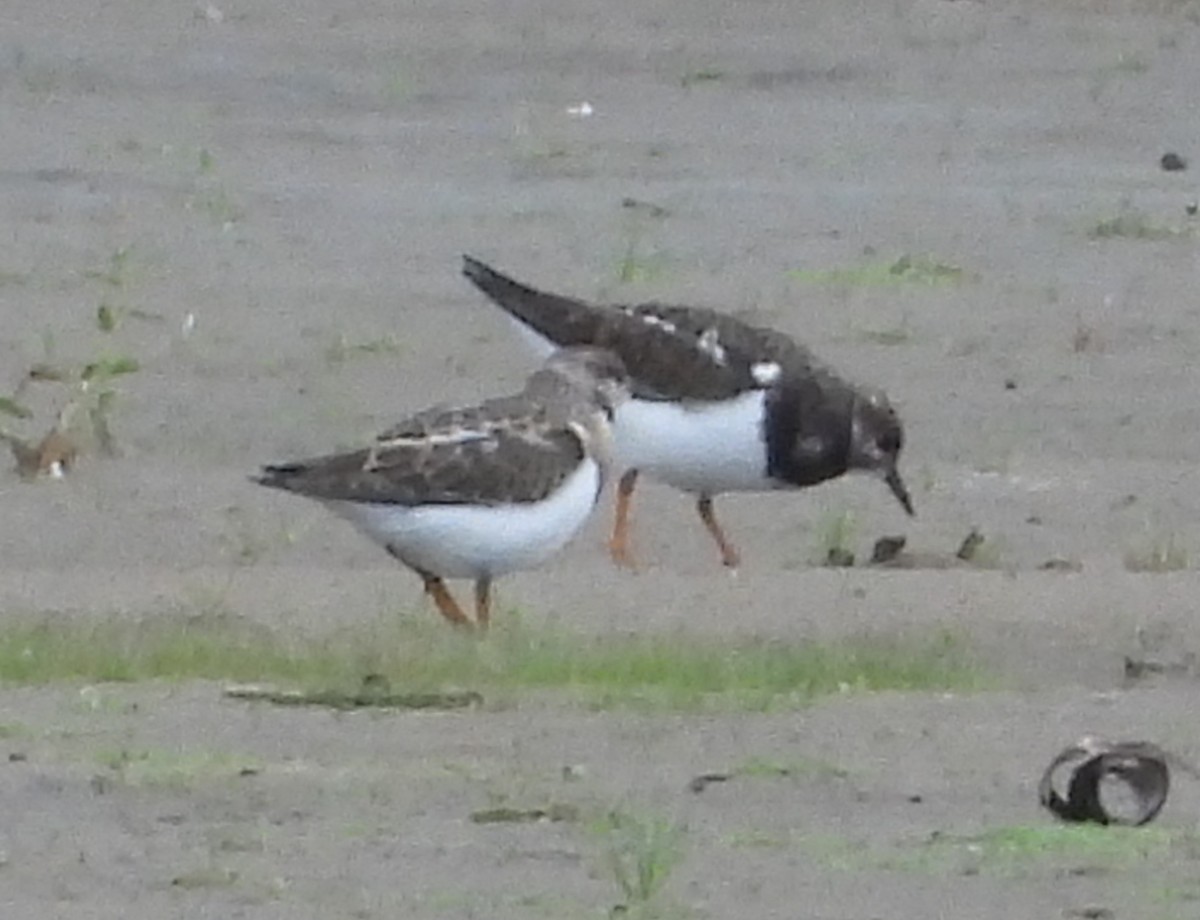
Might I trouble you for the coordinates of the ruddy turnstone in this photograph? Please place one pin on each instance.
(718, 405)
(478, 492)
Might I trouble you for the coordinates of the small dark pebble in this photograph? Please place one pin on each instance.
(1033, 519)
(1091, 912)
(1010, 384)
(249, 771)
(839, 557)
(1061, 565)
(1191, 208)
(1125, 501)
(18, 757)
(887, 548)
(970, 545)
(916, 799)
(1172, 162)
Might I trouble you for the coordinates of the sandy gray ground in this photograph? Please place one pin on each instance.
(273, 198)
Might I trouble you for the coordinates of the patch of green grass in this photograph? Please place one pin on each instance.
(1024, 849)
(904, 270)
(835, 539)
(1158, 554)
(757, 838)
(634, 267)
(640, 852)
(104, 369)
(1132, 224)
(342, 349)
(206, 163)
(665, 670)
(702, 75)
(14, 409)
(116, 273)
(1017, 851)
(15, 730)
(174, 768)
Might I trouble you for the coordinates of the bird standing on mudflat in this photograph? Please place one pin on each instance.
(718, 405)
(481, 491)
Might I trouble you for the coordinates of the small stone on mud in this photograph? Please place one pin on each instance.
(970, 546)
(1061, 565)
(1090, 912)
(839, 557)
(1172, 162)
(887, 548)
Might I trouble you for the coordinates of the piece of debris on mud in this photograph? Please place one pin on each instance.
(969, 548)
(555, 812)
(704, 780)
(1172, 162)
(1124, 782)
(891, 552)
(364, 698)
(1160, 652)
(1140, 668)
(1061, 565)
(887, 548)
(766, 769)
(52, 456)
(649, 208)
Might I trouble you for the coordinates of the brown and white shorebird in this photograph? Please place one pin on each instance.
(717, 405)
(481, 491)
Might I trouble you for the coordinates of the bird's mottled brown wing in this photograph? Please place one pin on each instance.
(503, 411)
(492, 465)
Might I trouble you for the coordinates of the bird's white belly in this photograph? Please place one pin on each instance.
(709, 447)
(476, 541)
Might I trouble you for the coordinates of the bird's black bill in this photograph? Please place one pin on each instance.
(896, 484)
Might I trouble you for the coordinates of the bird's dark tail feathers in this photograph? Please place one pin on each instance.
(563, 320)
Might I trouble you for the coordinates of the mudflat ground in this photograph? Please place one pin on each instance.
(263, 205)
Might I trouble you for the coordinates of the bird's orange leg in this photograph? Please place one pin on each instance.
(730, 557)
(618, 544)
(446, 604)
(483, 602)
